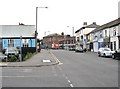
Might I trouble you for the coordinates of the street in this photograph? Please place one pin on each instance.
(73, 70)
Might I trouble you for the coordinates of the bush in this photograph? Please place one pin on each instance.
(27, 56)
(13, 59)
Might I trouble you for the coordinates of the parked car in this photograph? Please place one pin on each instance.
(3, 50)
(105, 52)
(72, 48)
(79, 49)
(10, 51)
(116, 54)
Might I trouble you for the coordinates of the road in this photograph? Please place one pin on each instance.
(75, 70)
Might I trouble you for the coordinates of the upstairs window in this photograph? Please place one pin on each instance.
(101, 35)
(82, 37)
(105, 33)
(78, 39)
(114, 31)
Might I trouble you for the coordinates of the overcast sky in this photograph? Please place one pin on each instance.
(59, 15)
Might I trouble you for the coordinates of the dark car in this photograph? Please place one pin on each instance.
(116, 54)
(72, 48)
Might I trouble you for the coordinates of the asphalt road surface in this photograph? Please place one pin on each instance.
(74, 70)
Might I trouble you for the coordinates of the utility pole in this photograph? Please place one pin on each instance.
(36, 33)
(20, 48)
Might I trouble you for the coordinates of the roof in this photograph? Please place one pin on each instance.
(93, 25)
(108, 25)
(17, 30)
(54, 34)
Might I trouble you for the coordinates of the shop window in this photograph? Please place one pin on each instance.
(10, 42)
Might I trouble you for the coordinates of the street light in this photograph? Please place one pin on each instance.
(36, 33)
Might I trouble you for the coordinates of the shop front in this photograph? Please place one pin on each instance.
(107, 42)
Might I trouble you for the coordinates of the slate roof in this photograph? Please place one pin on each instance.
(54, 34)
(17, 30)
(108, 25)
(93, 25)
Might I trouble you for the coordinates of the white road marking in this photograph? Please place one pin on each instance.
(46, 60)
(2, 64)
(69, 81)
(60, 63)
(56, 59)
(71, 85)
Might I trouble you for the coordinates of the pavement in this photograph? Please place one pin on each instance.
(44, 58)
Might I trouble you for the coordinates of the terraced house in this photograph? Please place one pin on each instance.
(107, 35)
(82, 34)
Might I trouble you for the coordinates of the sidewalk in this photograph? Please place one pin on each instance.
(44, 58)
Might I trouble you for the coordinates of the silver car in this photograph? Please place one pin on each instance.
(10, 51)
(106, 52)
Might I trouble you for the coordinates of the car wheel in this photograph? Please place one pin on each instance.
(99, 54)
(104, 55)
(113, 56)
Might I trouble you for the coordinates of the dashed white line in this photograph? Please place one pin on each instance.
(71, 85)
(56, 59)
(69, 81)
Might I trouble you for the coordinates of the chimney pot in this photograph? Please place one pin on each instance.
(85, 24)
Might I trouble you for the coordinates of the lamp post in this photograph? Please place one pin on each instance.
(20, 48)
(36, 33)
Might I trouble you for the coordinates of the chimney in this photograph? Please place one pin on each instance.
(62, 33)
(85, 24)
(94, 23)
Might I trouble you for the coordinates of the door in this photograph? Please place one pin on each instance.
(95, 47)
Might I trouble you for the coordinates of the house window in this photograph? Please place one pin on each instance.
(82, 37)
(25, 43)
(114, 45)
(10, 42)
(105, 33)
(114, 31)
(78, 39)
(101, 34)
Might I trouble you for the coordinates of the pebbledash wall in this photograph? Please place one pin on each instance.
(18, 36)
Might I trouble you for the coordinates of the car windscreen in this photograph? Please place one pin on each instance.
(106, 49)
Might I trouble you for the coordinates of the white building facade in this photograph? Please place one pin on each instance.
(107, 35)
